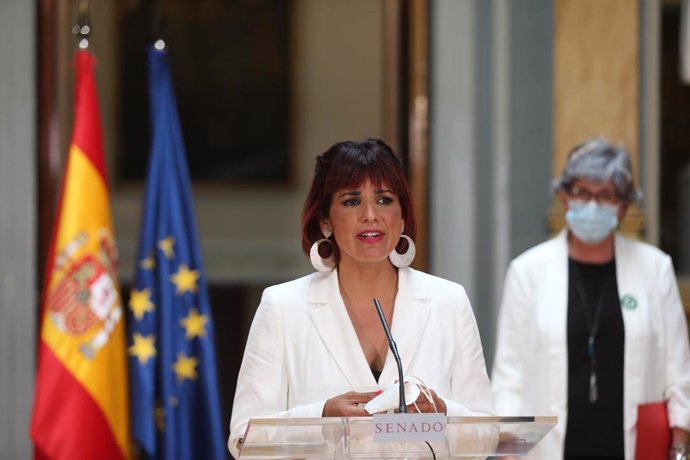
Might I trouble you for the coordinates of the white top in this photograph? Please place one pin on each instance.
(302, 349)
(531, 364)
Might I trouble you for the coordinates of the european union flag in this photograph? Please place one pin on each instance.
(174, 405)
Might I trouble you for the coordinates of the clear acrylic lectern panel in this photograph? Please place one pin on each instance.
(353, 438)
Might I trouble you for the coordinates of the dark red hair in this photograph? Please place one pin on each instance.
(348, 165)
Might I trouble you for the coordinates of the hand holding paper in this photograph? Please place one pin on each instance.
(389, 399)
(347, 404)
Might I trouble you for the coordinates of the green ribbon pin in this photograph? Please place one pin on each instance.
(628, 302)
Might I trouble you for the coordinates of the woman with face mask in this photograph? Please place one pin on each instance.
(591, 322)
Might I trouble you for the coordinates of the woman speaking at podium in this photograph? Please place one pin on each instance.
(317, 348)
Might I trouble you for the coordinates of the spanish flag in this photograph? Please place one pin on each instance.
(80, 407)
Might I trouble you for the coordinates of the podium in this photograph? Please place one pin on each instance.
(353, 438)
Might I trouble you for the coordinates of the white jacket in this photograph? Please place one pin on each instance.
(302, 349)
(530, 369)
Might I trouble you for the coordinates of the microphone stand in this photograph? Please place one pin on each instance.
(402, 408)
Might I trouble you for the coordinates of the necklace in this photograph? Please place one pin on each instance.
(593, 328)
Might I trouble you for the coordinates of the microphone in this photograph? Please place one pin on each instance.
(402, 408)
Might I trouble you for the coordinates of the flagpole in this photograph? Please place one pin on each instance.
(158, 20)
(158, 25)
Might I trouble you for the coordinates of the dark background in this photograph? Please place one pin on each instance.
(230, 65)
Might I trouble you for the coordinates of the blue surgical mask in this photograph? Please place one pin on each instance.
(590, 221)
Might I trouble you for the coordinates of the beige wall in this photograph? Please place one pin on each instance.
(596, 72)
(597, 84)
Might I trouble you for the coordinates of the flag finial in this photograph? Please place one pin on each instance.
(83, 26)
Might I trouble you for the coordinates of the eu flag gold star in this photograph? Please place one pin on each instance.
(194, 324)
(143, 347)
(149, 263)
(166, 245)
(140, 303)
(185, 279)
(159, 414)
(185, 367)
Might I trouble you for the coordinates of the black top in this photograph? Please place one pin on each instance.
(377, 374)
(594, 429)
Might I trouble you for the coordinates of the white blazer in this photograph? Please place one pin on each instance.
(530, 371)
(302, 349)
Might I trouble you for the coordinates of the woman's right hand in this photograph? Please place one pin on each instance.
(350, 404)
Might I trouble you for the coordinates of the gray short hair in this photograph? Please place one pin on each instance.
(601, 161)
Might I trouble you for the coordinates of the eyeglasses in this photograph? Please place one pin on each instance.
(583, 195)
